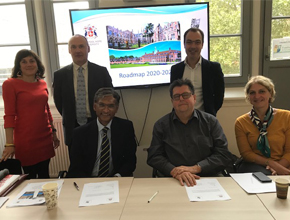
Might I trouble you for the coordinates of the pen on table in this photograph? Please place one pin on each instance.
(76, 186)
(152, 197)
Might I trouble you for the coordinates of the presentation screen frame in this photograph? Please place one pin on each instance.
(139, 44)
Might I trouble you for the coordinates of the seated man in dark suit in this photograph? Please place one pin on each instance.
(105, 146)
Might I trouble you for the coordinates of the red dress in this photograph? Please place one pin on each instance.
(27, 111)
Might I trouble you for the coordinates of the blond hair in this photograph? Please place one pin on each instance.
(264, 81)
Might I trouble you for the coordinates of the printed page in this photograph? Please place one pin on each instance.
(251, 185)
(3, 200)
(100, 193)
(8, 181)
(206, 190)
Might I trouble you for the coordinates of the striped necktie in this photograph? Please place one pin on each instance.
(81, 98)
(105, 155)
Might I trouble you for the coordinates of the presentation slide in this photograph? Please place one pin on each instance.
(139, 45)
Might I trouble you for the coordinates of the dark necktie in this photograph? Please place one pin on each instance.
(81, 98)
(105, 155)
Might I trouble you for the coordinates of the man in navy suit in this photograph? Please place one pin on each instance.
(206, 76)
(86, 151)
(65, 85)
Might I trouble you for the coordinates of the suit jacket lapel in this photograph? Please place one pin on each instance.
(115, 132)
(93, 138)
(204, 72)
(91, 86)
(70, 82)
(181, 70)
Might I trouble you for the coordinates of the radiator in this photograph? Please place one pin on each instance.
(61, 159)
(2, 137)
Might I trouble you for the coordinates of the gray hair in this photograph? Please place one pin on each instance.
(106, 91)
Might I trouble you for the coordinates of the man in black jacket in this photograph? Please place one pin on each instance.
(66, 82)
(206, 76)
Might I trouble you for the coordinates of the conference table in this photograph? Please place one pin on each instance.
(68, 203)
(279, 208)
(170, 203)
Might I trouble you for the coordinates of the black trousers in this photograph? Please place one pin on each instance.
(39, 170)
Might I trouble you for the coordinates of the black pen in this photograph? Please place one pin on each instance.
(76, 186)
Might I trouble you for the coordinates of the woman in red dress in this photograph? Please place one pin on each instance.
(28, 123)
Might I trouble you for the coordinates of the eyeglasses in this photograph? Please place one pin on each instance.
(102, 105)
(185, 95)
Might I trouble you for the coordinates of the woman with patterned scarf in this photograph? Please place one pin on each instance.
(263, 134)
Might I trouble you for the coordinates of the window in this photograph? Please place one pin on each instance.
(280, 30)
(229, 37)
(15, 33)
(63, 27)
(58, 20)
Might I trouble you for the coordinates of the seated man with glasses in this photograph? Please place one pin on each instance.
(106, 146)
(187, 143)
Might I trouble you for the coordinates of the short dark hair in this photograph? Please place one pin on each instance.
(27, 53)
(106, 91)
(179, 83)
(194, 30)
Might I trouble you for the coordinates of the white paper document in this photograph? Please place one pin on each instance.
(3, 200)
(206, 190)
(32, 194)
(100, 193)
(251, 185)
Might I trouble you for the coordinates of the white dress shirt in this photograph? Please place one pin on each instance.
(97, 163)
(195, 75)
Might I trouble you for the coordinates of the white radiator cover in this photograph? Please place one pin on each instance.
(61, 159)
